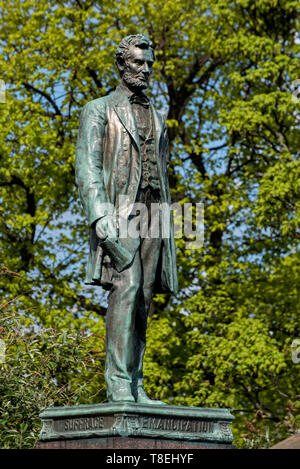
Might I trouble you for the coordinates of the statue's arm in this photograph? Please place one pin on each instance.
(89, 162)
(90, 181)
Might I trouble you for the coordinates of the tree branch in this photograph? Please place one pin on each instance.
(45, 95)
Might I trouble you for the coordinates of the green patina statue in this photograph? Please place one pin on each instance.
(122, 163)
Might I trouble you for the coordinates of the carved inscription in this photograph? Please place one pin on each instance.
(135, 424)
(179, 425)
(82, 424)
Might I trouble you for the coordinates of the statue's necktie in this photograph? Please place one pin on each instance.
(139, 99)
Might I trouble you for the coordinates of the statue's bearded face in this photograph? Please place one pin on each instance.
(138, 68)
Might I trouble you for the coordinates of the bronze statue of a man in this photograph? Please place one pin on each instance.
(121, 160)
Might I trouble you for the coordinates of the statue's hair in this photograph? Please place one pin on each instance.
(137, 40)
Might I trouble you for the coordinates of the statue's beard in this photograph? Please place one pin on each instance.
(133, 82)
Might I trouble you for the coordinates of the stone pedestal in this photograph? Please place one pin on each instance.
(134, 426)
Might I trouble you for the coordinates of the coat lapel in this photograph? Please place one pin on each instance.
(126, 116)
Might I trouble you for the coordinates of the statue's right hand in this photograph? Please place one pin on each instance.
(106, 227)
(108, 233)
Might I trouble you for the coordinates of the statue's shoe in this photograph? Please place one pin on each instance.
(122, 394)
(142, 398)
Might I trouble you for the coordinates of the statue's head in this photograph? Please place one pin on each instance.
(134, 59)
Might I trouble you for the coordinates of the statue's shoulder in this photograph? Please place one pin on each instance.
(98, 109)
(98, 104)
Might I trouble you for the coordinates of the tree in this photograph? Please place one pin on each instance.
(224, 74)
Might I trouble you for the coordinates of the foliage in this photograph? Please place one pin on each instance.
(224, 75)
(40, 368)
